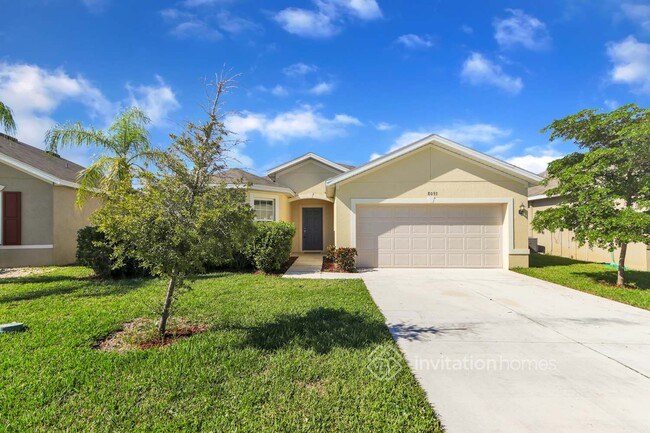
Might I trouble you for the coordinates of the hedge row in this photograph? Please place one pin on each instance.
(268, 250)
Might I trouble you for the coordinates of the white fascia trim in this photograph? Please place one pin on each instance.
(434, 139)
(254, 186)
(39, 174)
(310, 197)
(541, 197)
(509, 222)
(304, 158)
(26, 247)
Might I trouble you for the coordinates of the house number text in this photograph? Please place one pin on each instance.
(432, 193)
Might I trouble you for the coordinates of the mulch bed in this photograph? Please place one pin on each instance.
(331, 267)
(142, 334)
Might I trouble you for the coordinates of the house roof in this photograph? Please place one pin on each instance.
(340, 167)
(234, 177)
(38, 163)
(538, 192)
(237, 174)
(448, 145)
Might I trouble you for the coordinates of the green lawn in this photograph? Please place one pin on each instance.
(281, 355)
(593, 278)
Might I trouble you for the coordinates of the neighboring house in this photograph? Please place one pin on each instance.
(433, 203)
(39, 217)
(562, 243)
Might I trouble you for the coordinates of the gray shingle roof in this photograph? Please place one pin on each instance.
(37, 158)
(237, 174)
(541, 189)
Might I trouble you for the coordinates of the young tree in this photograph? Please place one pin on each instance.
(124, 145)
(605, 190)
(180, 219)
(7, 119)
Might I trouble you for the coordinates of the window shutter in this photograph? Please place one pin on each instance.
(11, 218)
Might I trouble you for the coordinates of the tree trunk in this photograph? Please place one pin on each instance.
(620, 280)
(168, 303)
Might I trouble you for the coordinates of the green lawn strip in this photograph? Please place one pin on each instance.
(281, 355)
(594, 278)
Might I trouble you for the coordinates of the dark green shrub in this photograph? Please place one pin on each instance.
(271, 245)
(330, 254)
(94, 251)
(345, 259)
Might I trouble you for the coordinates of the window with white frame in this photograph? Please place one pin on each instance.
(264, 209)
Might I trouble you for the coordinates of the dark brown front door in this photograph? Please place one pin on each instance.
(312, 229)
(11, 229)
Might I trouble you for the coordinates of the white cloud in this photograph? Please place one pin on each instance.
(473, 133)
(322, 88)
(639, 13)
(234, 24)
(383, 126)
(612, 104)
(477, 70)
(466, 29)
(413, 41)
(325, 21)
(95, 5)
(187, 25)
(34, 94)
(298, 69)
(521, 29)
(157, 101)
(469, 134)
(277, 90)
(631, 63)
(536, 161)
(306, 23)
(363, 9)
(499, 149)
(303, 122)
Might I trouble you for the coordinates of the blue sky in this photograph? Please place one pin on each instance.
(347, 79)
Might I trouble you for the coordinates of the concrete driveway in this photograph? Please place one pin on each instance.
(501, 352)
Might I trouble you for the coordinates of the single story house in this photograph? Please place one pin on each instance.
(433, 203)
(561, 243)
(39, 219)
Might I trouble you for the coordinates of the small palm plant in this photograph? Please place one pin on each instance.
(125, 143)
(7, 119)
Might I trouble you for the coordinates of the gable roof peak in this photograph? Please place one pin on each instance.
(309, 155)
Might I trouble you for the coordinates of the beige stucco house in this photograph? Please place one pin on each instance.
(38, 216)
(433, 203)
(562, 243)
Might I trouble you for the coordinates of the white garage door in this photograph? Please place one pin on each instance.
(429, 236)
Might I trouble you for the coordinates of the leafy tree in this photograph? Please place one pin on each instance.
(605, 190)
(180, 220)
(7, 119)
(125, 143)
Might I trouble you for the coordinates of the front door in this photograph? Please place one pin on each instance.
(312, 229)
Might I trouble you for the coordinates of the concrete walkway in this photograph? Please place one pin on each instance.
(308, 265)
(501, 352)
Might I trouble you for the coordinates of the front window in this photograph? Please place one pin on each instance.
(264, 209)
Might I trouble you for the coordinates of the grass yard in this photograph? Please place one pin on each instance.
(280, 355)
(594, 278)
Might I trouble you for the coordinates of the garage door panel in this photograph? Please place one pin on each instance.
(429, 236)
(402, 243)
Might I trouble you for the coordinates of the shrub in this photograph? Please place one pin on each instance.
(345, 259)
(94, 251)
(271, 245)
(330, 254)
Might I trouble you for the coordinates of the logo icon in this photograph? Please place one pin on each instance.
(385, 362)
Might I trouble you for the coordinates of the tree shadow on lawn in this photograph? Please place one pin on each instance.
(320, 329)
(544, 260)
(633, 279)
(85, 286)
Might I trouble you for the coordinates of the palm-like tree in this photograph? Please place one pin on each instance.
(7, 119)
(124, 143)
